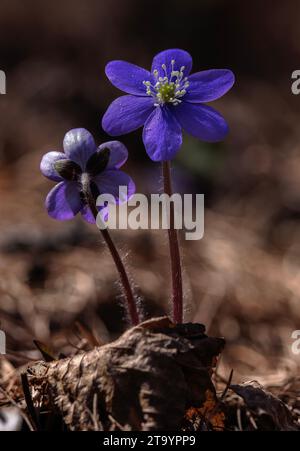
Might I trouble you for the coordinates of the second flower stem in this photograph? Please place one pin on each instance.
(177, 296)
(131, 303)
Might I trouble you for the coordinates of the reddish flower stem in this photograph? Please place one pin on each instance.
(177, 296)
(131, 304)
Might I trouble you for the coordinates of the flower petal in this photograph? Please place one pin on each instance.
(87, 214)
(127, 77)
(126, 113)
(109, 182)
(79, 145)
(63, 201)
(118, 154)
(89, 217)
(47, 165)
(181, 58)
(162, 135)
(209, 85)
(201, 121)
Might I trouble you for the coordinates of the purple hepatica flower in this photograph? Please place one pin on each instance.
(82, 160)
(166, 101)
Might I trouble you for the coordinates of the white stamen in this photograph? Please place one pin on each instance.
(167, 89)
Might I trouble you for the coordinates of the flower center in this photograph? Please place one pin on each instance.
(168, 89)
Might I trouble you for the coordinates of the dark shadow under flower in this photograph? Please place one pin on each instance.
(165, 101)
(81, 162)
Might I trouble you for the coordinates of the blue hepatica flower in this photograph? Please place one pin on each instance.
(83, 161)
(166, 101)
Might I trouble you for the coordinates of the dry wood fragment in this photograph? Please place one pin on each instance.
(145, 380)
(269, 412)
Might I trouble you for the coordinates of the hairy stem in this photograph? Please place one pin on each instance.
(131, 304)
(177, 296)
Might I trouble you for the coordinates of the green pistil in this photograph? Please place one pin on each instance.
(167, 92)
(169, 88)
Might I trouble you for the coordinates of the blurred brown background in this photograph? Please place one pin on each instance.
(242, 280)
